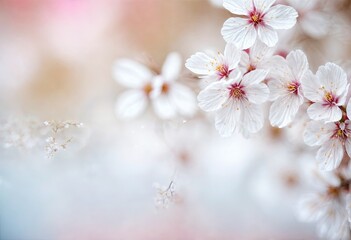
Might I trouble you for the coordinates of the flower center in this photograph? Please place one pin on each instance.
(222, 71)
(293, 87)
(255, 18)
(236, 91)
(341, 132)
(164, 88)
(147, 88)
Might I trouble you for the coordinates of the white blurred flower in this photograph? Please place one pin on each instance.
(236, 102)
(260, 18)
(285, 88)
(214, 67)
(137, 78)
(326, 206)
(217, 3)
(167, 97)
(170, 98)
(327, 90)
(312, 20)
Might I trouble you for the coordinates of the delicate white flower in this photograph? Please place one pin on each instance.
(285, 88)
(236, 102)
(312, 20)
(217, 3)
(137, 77)
(327, 90)
(334, 138)
(215, 67)
(170, 98)
(260, 18)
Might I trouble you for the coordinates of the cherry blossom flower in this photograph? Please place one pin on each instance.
(285, 88)
(170, 98)
(214, 68)
(327, 90)
(260, 19)
(236, 102)
(334, 138)
(137, 78)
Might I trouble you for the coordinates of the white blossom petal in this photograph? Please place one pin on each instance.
(254, 77)
(260, 51)
(348, 109)
(267, 35)
(227, 118)
(163, 107)
(130, 73)
(317, 132)
(298, 63)
(232, 56)
(257, 93)
(131, 104)
(284, 110)
(172, 67)
(251, 117)
(281, 17)
(184, 99)
(318, 111)
(276, 89)
(200, 63)
(330, 154)
(239, 32)
(263, 5)
(213, 97)
(311, 87)
(238, 7)
(348, 146)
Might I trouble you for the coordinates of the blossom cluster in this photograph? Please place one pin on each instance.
(237, 85)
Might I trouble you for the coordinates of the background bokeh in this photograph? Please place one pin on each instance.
(56, 59)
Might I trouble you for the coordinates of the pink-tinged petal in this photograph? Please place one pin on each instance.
(333, 78)
(263, 5)
(267, 35)
(315, 24)
(330, 154)
(257, 93)
(318, 111)
(163, 107)
(348, 146)
(184, 99)
(234, 76)
(227, 118)
(254, 77)
(239, 32)
(172, 67)
(281, 17)
(251, 117)
(242, 7)
(260, 51)
(200, 63)
(311, 87)
(348, 109)
(131, 74)
(317, 132)
(298, 63)
(231, 56)
(213, 96)
(131, 104)
(276, 89)
(284, 110)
